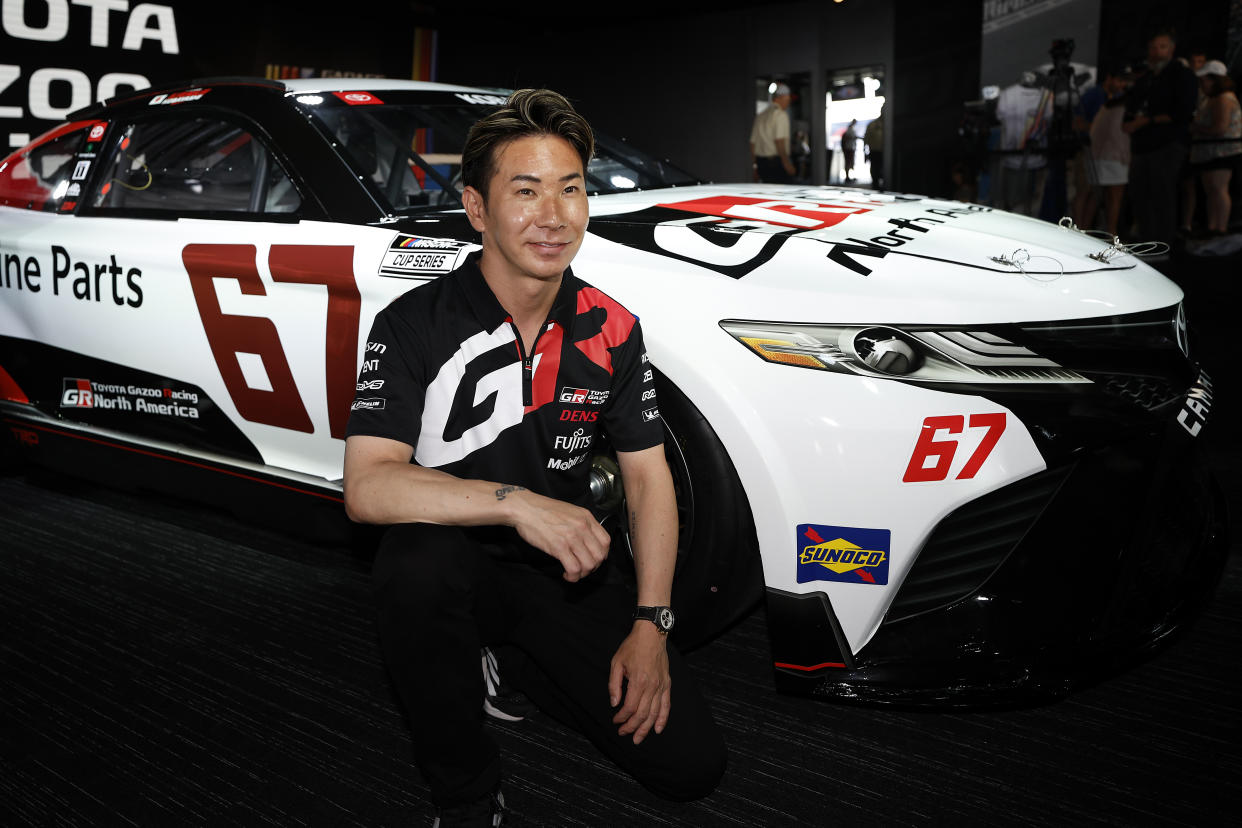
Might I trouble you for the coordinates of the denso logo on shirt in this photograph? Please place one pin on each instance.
(583, 396)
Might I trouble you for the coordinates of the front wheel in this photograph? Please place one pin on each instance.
(719, 574)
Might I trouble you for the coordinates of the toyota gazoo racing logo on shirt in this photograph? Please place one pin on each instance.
(582, 396)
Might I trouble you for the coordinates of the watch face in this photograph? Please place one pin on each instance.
(665, 619)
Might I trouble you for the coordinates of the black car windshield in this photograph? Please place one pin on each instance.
(408, 145)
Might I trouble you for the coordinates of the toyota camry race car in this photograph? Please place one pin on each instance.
(953, 448)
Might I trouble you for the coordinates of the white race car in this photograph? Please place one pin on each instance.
(953, 447)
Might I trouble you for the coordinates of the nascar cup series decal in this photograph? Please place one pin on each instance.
(842, 553)
(415, 257)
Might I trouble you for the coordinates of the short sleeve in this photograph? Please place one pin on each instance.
(632, 415)
(391, 385)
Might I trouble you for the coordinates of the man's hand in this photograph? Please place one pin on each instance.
(567, 532)
(642, 662)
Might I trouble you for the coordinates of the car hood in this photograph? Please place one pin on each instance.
(857, 254)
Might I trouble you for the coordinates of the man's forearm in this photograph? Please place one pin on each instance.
(391, 492)
(653, 535)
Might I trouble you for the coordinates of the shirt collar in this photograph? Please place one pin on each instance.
(487, 308)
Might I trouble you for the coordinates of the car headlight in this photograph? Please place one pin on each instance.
(905, 353)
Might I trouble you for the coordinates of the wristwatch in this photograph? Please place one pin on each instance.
(662, 617)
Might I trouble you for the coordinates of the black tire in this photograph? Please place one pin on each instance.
(719, 573)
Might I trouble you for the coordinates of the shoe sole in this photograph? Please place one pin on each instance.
(497, 713)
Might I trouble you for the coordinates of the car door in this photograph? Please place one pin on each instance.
(192, 303)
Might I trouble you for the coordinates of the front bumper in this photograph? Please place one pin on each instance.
(1046, 584)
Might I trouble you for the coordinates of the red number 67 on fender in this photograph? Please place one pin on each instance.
(942, 451)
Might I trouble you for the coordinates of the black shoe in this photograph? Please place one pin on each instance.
(502, 701)
(487, 812)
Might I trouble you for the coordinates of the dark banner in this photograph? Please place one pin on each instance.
(57, 56)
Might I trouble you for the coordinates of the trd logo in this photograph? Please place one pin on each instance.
(579, 416)
(25, 436)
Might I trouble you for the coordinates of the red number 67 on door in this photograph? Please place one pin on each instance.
(940, 451)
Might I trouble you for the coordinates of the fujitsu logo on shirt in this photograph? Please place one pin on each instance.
(573, 442)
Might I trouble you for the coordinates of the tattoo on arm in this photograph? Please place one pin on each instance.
(508, 490)
(633, 524)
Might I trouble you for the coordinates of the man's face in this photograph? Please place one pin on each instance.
(1159, 49)
(1197, 61)
(782, 101)
(535, 215)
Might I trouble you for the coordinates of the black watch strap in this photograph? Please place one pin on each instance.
(662, 617)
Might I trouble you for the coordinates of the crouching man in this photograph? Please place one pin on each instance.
(498, 381)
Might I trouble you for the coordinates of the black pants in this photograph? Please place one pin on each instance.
(443, 592)
(771, 170)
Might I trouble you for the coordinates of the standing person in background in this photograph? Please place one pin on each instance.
(873, 149)
(849, 148)
(1211, 158)
(1108, 168)
(769, 140)
(1161, 106)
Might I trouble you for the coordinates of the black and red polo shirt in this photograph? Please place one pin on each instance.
(444, 371)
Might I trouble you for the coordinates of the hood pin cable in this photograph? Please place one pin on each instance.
(1021, 256)
(1115, 246)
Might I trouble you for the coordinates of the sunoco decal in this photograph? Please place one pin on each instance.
(842, 553)
(139, 399)
(415, 257)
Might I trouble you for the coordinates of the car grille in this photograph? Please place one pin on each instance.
(1149, 393)
(971, 542)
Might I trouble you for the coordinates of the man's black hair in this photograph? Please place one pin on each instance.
(526, 112)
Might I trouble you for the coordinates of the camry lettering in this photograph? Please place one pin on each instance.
(1198, 404)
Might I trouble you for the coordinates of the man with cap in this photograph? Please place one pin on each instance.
(769, 140)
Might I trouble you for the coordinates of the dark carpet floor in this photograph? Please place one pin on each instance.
(164, 665)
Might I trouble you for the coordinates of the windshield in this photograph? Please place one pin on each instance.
(408, 145)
